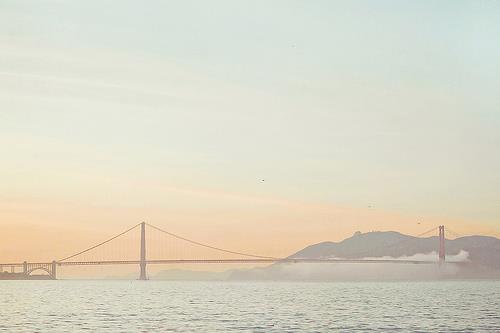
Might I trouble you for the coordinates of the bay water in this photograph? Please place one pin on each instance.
(166, 306)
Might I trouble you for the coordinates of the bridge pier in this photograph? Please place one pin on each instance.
(142, 264)
(54, 271)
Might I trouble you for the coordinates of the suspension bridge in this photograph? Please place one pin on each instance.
(132, 247)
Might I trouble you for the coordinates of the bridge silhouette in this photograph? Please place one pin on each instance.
(169, 253)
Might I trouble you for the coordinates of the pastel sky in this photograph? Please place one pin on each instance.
(261, 126)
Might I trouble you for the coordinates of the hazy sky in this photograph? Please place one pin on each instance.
(247, 122)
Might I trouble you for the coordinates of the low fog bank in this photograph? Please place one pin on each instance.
(188, 275)
(364, 272)
(457, 266)
(336, 272)
(461, 256)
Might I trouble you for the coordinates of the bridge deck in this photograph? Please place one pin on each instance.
(230, 261)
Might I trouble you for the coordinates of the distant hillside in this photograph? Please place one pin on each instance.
(482, 250)
(482, 254)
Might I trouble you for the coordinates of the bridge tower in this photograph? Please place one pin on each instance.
(143, 275)
(442, 251)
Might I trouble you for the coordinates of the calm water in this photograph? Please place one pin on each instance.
(161, 306)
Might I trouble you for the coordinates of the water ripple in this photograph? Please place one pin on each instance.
(161, 306)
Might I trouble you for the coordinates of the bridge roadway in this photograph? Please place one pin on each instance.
(228, 261)
(50, 267)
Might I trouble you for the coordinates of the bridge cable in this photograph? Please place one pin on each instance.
(102, 243)
(211, 247)
(453, 233)
(412, 239)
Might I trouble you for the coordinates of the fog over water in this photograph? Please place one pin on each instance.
(367, 271)
(462, 256)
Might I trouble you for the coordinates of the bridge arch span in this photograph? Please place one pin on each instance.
(49, 268)
(39, 269)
